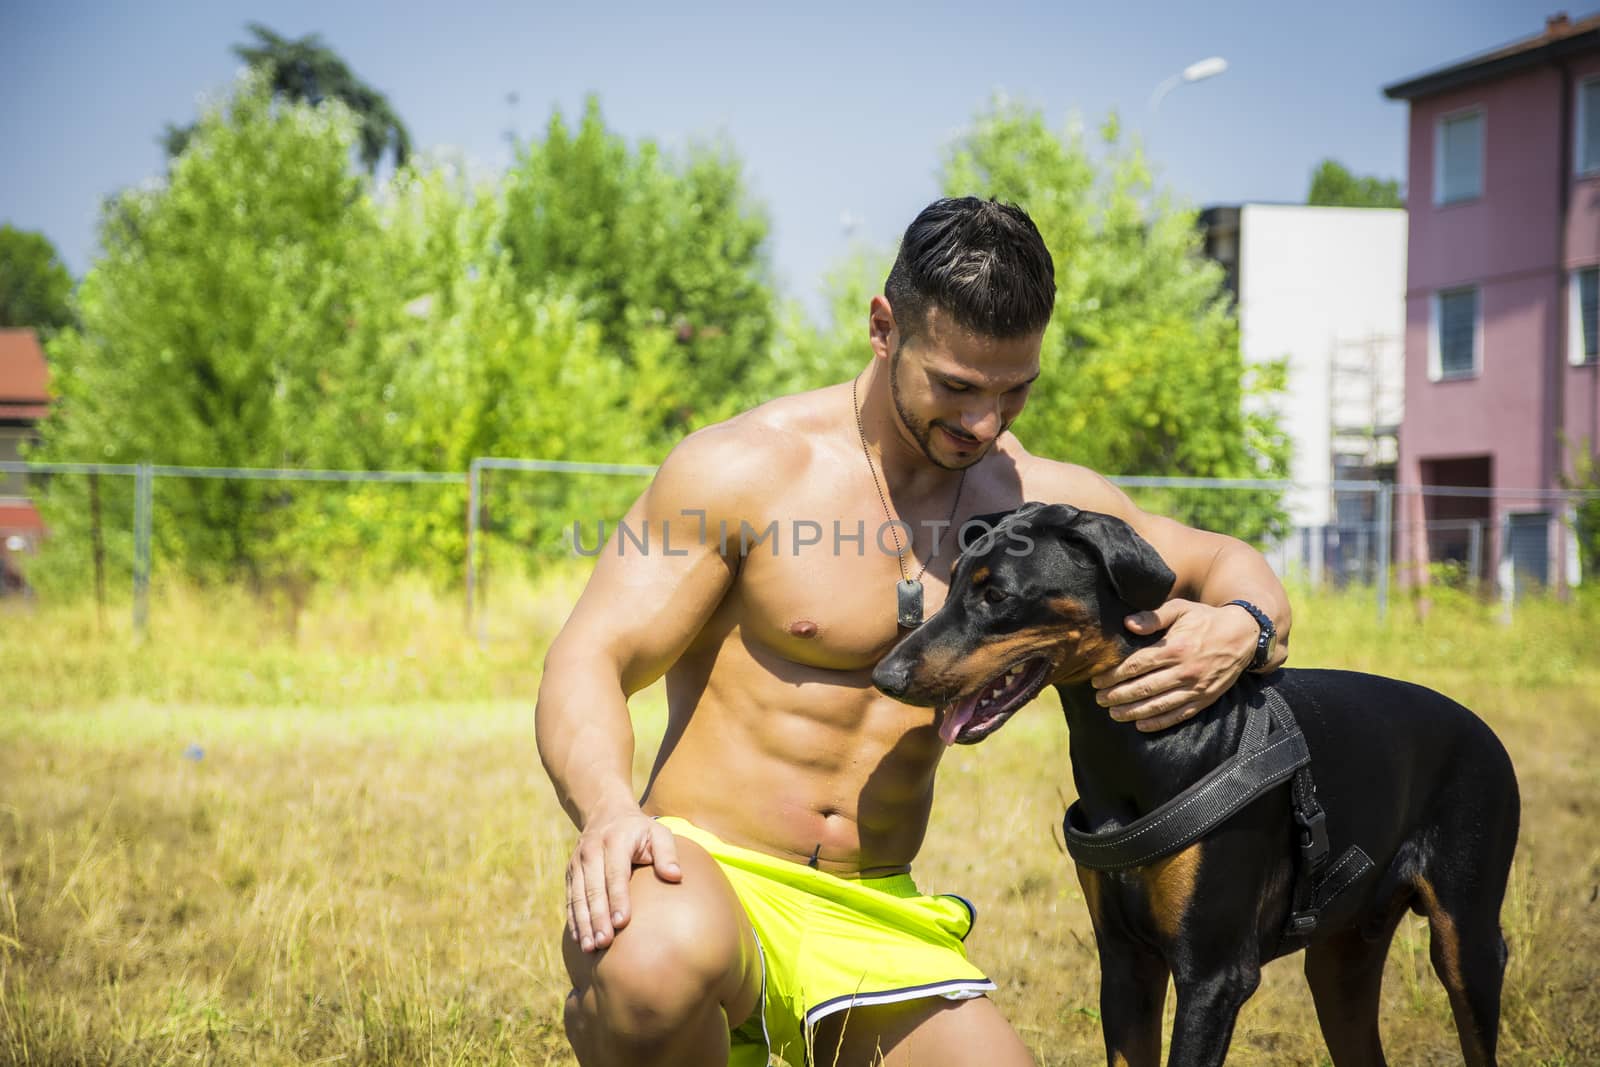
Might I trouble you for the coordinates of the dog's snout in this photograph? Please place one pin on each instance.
(892, 676)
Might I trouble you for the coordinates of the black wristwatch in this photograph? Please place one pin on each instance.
(1268, 632)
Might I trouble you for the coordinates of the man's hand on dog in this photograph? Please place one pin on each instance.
(609, 848)
(1203, 652)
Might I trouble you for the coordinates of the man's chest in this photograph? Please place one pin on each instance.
(819, 572)
(825, 590)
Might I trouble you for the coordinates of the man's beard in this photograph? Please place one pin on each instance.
(922, 432)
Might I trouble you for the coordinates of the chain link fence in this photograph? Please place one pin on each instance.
(109, 530)
(1504, 543)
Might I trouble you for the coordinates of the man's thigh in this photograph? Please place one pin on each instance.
(932, 1032)
(683, 935)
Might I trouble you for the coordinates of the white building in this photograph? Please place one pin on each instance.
(1324, 288)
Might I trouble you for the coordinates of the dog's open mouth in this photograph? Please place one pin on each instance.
(972, 717)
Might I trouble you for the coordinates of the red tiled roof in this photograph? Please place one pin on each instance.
(1562, 36)
(20, 517)
(24, 378)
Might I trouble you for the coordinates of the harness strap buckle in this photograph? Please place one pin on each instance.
(1313, 837)
(1301, 924)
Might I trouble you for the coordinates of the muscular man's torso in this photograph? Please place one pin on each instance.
(776, 739)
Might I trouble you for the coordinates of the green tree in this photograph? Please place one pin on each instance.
(235, 318)
(1332, 185)
(1585, 479)
(487, 368)
(35, 288)
(305, 70)
(648, 244)
(1143, 372)
(808, 355)
(261, 308)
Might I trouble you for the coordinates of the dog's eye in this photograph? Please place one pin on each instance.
(994, 594)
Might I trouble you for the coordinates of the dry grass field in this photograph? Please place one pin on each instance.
(226, 846)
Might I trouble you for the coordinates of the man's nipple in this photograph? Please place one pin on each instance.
(803, 628)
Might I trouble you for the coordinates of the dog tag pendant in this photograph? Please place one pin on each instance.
(909, 594)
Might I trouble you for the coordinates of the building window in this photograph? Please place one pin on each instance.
(1587, 156)
(1455, 335)
(1584, 346)
(1458, 159)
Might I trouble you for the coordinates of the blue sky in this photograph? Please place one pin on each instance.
(838, 112)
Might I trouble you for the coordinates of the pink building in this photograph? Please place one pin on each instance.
(1502, 387)
(24, 399)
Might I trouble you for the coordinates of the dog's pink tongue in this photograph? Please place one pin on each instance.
(956, 716)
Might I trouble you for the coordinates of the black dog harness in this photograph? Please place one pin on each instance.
(1272, 750)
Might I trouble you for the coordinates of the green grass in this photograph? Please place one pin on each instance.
(365, 866)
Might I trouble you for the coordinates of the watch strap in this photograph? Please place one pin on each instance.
(1268, 632)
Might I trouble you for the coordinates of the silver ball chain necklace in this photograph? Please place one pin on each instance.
(908, 591)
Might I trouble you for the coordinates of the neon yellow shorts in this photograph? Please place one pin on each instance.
(829, 944)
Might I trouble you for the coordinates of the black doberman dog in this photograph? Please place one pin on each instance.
(1414, 779)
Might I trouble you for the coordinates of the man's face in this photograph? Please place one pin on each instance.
(956, 392)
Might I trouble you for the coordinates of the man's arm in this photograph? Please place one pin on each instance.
(636, 616)
(1207, 644)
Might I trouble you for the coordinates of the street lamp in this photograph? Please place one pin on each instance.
(1206, 68)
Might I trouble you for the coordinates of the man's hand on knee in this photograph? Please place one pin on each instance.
(609, 848)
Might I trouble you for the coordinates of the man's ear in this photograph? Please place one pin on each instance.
(1137, 572)
(882, 330)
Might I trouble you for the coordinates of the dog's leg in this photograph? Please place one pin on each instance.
(1133, 990)
(1133, 979)
(1346, 975)
(1469, 954)
(1460, 887)
(1208, 1005)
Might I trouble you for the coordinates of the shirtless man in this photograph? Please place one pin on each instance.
(789, 797)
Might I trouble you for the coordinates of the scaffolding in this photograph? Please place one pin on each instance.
(1366, 398)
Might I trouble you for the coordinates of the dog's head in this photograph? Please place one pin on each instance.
(1036, 600)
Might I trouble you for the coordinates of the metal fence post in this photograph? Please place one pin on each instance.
(1475, 552)
(143, 501)
(473, 470)
(485, 521)
(97, 546)
(1506, 571)
(1385, 538)
(475, 543)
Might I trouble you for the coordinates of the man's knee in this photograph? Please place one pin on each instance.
(682, 949)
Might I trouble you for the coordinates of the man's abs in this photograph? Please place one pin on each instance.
(802, 763)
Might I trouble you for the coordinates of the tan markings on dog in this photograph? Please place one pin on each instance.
(980, 575)
(1118, 1060)
(962, 674)
(1169, 886)
(1074, 614)
(947, 669)
(1090, 881)
(1094, 653)
(1443, 928)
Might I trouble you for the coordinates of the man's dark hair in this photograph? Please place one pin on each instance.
(980, 261)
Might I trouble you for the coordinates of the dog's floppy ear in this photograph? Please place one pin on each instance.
(1032, 515)
(989, 521)
(975, 528)
(1138, 573)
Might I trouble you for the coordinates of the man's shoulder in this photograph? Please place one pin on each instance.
(741, 458)
(779, 430)
(1055, 481)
